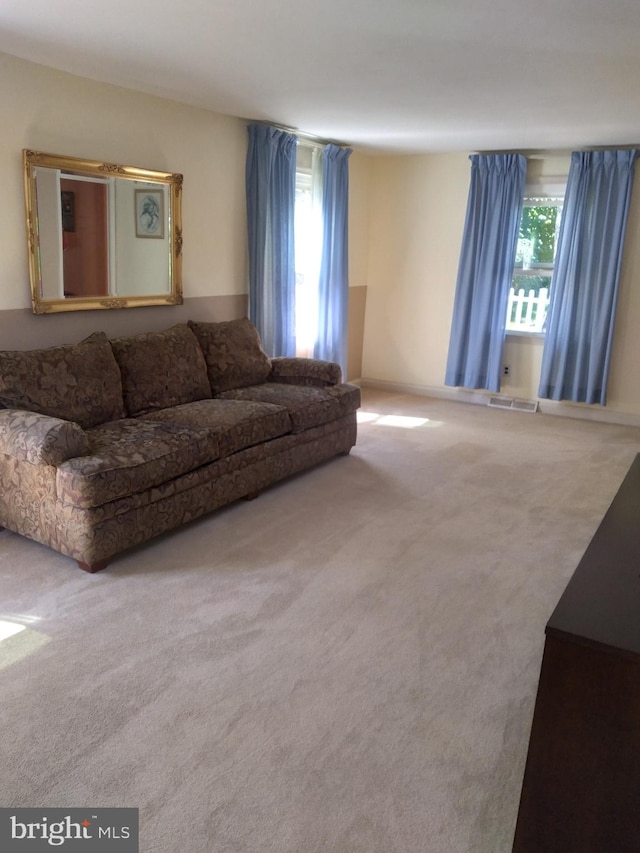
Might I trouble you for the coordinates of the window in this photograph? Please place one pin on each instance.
(308, 245)
(535, 256)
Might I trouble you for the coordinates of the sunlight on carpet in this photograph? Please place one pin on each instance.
(401, 421)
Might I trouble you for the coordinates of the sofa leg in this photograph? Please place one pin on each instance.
(92, 568)
(251, 496)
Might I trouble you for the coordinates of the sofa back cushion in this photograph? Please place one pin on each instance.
(232, 351)
(75, 382)
(161, 369)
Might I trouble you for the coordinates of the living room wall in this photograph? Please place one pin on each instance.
(60, 113)
(405, 227)
(418, 208)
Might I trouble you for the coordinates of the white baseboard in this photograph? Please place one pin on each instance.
(463, 395)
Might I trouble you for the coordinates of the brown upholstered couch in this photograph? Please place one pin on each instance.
(106, 443)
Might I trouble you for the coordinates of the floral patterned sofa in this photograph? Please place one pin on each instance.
(106, 443)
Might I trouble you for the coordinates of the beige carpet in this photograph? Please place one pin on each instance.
(348, 663)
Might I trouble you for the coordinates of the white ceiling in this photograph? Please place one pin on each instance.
(396, 75)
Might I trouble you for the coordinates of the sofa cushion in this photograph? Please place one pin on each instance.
(74, 382)
(130, 456)
(234, 356)
(236, 424)
(307, 406)
(161, 369)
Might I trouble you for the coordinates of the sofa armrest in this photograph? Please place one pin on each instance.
(40, 439)
(305, 371)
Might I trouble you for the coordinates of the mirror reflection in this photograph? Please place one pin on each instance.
(101, 235)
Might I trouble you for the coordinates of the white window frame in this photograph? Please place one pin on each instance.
(548, 194)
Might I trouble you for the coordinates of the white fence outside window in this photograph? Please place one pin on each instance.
(527, 312)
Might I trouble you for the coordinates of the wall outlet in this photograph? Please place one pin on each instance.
(506, 370)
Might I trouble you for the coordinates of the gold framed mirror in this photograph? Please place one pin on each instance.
(100, 235)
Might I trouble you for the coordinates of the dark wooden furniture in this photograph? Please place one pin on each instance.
(581, 789)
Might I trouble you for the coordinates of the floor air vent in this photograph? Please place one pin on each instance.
(513, 404)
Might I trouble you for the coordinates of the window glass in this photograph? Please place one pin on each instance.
(535, 255)
(308, 246)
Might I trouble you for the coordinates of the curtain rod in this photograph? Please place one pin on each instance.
(565, 152)
(309, 138)
(530, 155)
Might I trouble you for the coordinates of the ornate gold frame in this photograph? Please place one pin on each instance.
(33, 159)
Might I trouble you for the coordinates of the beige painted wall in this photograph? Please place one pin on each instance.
(417, 213)
(360, 181)
(624, 381)
(59, 113)
(418, 208)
